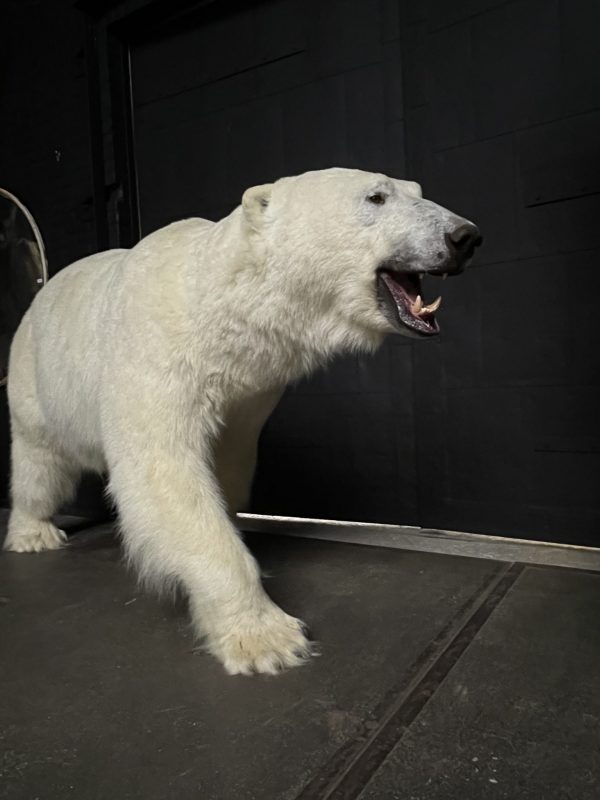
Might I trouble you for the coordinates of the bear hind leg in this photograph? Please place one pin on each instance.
(42, 480)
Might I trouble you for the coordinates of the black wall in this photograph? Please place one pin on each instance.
(493, 106)
(44, 136)
(502, 111)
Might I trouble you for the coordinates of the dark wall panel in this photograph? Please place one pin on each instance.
(44, 137)
(559, 160)
(515, 63)
(342, 444)
(499, 128)
(580, 76)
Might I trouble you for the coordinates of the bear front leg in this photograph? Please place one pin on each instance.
(176, 530)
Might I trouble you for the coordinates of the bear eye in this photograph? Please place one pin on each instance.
(378, 198)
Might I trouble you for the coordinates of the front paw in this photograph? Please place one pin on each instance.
(267, 642)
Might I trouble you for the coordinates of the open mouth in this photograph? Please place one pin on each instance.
(402, 303)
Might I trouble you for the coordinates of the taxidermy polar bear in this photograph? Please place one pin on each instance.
(159, 365)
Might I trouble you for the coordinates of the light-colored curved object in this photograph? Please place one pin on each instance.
(43, 278)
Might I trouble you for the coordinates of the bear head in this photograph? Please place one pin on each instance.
(357, 244)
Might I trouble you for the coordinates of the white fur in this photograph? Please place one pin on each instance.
(160, 365)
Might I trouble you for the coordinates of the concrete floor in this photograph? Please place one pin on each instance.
(440, 677)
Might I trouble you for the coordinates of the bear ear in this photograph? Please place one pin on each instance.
(255, 201)
(413, 188)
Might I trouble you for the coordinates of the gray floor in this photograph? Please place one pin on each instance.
(441, 677)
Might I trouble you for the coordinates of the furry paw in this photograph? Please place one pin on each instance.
(33, 537)
(269, 643)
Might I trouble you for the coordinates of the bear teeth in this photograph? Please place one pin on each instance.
(418, 309)
(432, 307)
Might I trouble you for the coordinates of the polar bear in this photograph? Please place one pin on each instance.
(159, 366)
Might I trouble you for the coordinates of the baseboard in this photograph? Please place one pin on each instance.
(405, 537)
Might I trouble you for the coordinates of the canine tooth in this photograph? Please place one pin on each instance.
(433, 306)
(417, 305)
(444, 276)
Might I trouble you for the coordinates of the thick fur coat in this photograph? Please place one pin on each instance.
(159, 366)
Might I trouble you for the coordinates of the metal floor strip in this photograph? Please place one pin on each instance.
(404, 537)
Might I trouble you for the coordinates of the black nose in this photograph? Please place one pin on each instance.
(462, 242)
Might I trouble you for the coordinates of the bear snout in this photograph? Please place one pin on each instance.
(461, 243)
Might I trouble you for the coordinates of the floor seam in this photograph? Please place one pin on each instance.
(351, 768)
